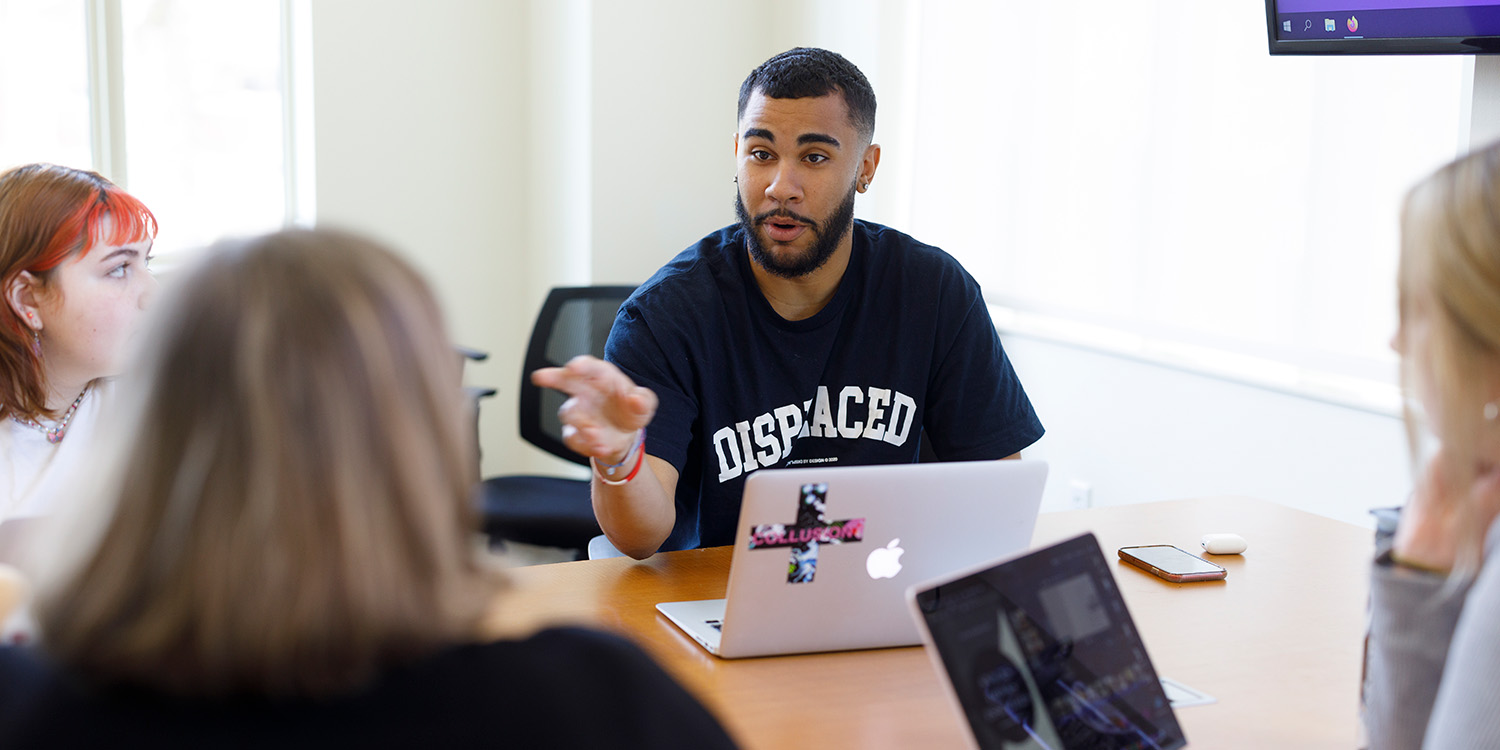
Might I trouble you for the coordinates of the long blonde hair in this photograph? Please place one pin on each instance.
(291, 497)
(1450, 262)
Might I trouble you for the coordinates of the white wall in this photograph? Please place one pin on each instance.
(420, 123)
(1135, 432)
(666, 79)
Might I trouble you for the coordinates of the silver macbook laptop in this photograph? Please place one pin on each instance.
(1039, 653)
(823, 556)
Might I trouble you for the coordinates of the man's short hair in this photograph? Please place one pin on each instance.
(812, 72)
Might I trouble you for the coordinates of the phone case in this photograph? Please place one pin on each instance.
(1167, 575)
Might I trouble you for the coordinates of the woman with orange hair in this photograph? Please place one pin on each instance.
(73, 253)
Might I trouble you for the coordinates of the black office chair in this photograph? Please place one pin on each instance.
(545, 510)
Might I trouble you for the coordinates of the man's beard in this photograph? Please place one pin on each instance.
(828, 234)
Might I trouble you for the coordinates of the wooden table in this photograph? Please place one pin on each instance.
(1278, 643)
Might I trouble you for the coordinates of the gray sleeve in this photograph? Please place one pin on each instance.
(1430, 675)
(1411, 624)
(1467, 710)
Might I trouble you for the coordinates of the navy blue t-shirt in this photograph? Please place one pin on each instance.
(905, 345)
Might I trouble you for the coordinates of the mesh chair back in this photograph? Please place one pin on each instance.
(573, 321)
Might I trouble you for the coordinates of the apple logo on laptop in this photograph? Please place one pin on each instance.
(885, 562)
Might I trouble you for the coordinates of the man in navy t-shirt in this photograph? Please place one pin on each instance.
(796, 337)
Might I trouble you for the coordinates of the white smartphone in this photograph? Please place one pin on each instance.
(1171, 563)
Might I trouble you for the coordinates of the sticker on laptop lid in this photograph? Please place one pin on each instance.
(810, 531)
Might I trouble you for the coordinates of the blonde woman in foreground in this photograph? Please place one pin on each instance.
(1435, 594)
(285, 558)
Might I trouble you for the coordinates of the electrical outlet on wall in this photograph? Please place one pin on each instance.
(1080, 495)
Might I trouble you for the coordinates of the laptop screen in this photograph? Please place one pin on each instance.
(1042, 653)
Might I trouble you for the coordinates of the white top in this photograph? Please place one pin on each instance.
(33, 472)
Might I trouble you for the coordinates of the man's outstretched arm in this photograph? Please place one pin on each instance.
(604, 418)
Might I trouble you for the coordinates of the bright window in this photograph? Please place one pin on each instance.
(1160, 176)
(190, 106)
(204, 136)
(44, 83)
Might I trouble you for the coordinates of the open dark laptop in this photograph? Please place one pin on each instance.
(1040, 652)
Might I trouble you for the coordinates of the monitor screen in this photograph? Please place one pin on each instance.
(1383, 27)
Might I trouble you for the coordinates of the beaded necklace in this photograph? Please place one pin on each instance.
(54, 434)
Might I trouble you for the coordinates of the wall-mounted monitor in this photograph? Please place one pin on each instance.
(1383, 27)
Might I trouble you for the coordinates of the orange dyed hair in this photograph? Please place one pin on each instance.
(48, 214)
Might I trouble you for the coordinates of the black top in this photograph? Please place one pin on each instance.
(564, 688)
(904, 352)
